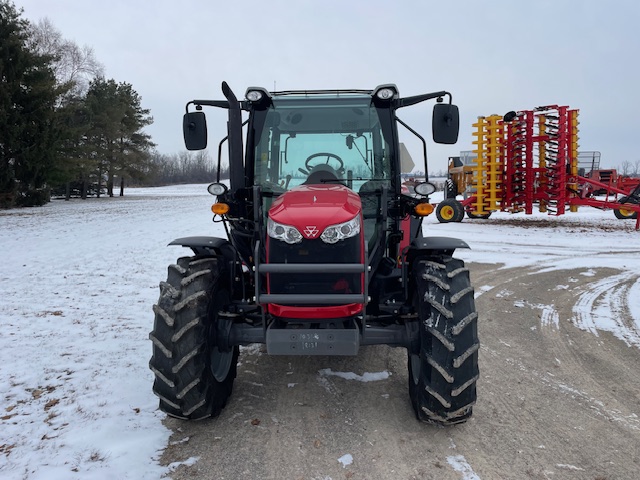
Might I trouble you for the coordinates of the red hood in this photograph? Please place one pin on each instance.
(312, 208)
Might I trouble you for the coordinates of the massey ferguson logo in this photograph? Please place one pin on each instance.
(311, 231)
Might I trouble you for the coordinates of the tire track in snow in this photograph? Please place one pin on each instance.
(603, 304)
(549, 316)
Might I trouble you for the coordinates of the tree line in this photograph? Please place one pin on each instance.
(63, 126)
(184, 167)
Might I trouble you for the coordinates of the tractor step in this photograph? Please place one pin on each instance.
(281, 341)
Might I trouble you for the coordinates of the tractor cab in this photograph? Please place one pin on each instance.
(345, 138)
(327, 139)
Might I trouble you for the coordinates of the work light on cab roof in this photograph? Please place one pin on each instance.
(385, 93)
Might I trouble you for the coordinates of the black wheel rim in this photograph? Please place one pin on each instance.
(415, 368)
(220, 363)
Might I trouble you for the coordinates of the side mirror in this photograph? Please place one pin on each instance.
(446, 123)
(194, 128)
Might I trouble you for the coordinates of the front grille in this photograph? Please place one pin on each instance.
(315, 252)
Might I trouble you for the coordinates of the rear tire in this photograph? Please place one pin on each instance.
(450, 189)
(443, 363)
(475, 216)
(624, 214)
(449, 210)
(193, 379)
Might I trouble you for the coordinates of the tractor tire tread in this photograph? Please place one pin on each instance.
(184, 382)
(443, 370)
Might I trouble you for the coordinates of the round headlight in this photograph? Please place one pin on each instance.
(425, 188)
(254, 95)
(292, 236)
(384, 93)
(217, 189)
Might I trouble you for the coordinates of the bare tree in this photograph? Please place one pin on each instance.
(636, 169)
(74, 66)
(625, 168)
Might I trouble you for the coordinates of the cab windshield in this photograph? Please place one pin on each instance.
(321, 140)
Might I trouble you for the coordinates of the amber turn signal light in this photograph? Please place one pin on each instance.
(219, 208)
(423, 209)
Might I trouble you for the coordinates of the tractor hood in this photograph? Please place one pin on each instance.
(312, 208)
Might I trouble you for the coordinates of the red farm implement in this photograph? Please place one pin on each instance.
(530, 159)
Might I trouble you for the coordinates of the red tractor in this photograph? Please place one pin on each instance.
(324, 253)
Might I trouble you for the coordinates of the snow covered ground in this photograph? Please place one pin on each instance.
(78, 280)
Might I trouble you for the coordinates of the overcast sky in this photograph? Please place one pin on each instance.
(493, 56)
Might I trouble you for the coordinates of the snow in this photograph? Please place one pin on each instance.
(460, 464)
(583, 241)
(594, 308)
(346, 459)
(78, 281)
(188, 462)
(79, 278)
(365, 377)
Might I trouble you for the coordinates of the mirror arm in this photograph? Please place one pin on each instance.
(407, 102)
(424, 146)
(220, 156)
(207, 103)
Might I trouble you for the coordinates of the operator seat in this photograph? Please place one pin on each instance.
(321, 174)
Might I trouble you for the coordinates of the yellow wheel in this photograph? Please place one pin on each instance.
(447, 213)
(449, 210)
(623, 213)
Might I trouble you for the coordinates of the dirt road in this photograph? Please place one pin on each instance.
(554, 401)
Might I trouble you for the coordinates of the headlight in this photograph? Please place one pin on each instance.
(384, 94)
(334, 233)
(425, 188)
(217, 189)
(285, 233)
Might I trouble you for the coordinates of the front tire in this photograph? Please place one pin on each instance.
(443, 363)
(193, 379)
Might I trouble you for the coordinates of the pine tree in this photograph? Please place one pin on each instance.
(28, 133)
(115, 139)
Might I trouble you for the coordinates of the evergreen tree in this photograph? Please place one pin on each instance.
(115, 140)
(74, 67)
(28, 134)
(134, 146)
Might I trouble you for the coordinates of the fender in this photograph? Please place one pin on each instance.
(426, 246)
(207, 245)
(430, 245)
(437, 243)
(224, 250)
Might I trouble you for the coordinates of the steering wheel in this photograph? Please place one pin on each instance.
(308, 165)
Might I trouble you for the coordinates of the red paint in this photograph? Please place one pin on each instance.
(312, 208)
(405, 226)
(315, 313)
